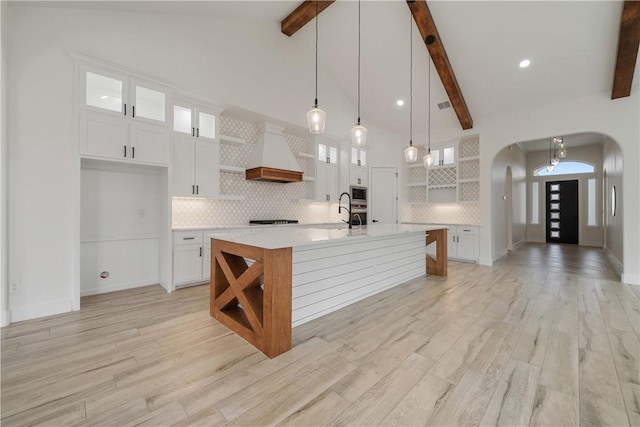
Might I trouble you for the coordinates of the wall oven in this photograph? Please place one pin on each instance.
(358, 205)
(358, 195)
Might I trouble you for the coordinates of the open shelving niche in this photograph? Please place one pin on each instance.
(456, 183)
(228, 169)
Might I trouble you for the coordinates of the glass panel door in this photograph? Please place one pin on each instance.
(103, 92)
(206, 125)
(150, 104)
(182, 119)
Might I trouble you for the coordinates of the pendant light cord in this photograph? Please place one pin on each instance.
(410, 80)
(358, 62)
(316, 99)
(429, 98)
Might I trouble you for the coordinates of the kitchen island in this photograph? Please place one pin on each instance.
(266, 281)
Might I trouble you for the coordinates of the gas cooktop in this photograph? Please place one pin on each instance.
(272, 221)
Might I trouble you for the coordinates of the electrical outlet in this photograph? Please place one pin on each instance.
(14, 288)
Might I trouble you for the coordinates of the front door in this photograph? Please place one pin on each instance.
(384, 195)
(562, 212)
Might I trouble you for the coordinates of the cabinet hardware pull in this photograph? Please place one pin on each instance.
(193, 189)
(198, 132)
(125, 109)
(193, 131)
(125, 150)
(197, 189)
(465, 230)
(329, 160)
(200, 250)
(133, 110)
(359, 181)
(133, 152)
(188, 238)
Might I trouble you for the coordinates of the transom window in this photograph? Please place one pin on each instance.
(565, 168)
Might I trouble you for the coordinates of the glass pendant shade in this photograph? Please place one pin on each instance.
(550, 168)
(555, 161)
(428, 159)
(410, 154)
(359, 135)
(316, 118)
(562, 153)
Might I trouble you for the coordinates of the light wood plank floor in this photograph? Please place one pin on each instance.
(525, 342)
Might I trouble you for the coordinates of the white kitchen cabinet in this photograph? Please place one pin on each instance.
(359, 176)
(326, 182)
(195, 120)
(191, 258)
(116, 138)
(327, 173)
(119, 94)
(463, 244)
(123, 118)
(196, 167)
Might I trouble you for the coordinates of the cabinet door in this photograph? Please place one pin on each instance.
(467, 247)
(150, 103)
(104, 135)
(206, 124)
(206, 263)
(322, 191)
(187, 264)
(103, 91)
(150, 143)
(332, 183)
(207, 161)
(183, 176)
(359, 176)
(452, 246)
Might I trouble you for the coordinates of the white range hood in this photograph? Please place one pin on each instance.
(272, 159)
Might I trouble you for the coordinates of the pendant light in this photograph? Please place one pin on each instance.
(562, 152)
(316, 118)
(428, 159)
(551, 166)
(359, 132)
(411, 152)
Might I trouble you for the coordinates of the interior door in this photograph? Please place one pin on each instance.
(384, 195)
(562, 212)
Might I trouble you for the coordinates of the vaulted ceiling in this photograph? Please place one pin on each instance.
(572, 46)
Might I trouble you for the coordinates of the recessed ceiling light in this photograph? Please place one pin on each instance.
(400, 102)
(104, 97)
(524, 63)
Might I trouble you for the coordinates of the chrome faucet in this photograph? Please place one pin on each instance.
(359, 219)
(340, 207)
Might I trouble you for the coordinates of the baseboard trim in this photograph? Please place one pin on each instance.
(5, 318)
(117, 287)
(631, 279)
(33, 311)
(487, 261)
(518, 244)
(499, 255)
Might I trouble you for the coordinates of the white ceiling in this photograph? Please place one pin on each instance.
(571, 45)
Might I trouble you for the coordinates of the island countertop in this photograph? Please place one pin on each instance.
(276, 238)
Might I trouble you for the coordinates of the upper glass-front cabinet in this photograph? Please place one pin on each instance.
(109, 92)
(358, 156)
(327, 154)
(199, 122)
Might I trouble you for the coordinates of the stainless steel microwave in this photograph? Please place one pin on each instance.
(359, 194)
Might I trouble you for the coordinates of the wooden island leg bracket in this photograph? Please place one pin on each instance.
(253, 301)
(438, 266)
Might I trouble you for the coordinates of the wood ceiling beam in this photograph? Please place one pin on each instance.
(426, 25)
(628, 44)
(303, 14)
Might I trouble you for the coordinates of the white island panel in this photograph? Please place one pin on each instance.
(336, 273)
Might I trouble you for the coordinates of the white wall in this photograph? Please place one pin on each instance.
(587, 235)
(4, 144)
(221, 62)
(612, 163)
(514, 158)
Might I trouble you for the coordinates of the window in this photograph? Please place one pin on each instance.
(534, 203)
(565, 168)
(591, 202)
